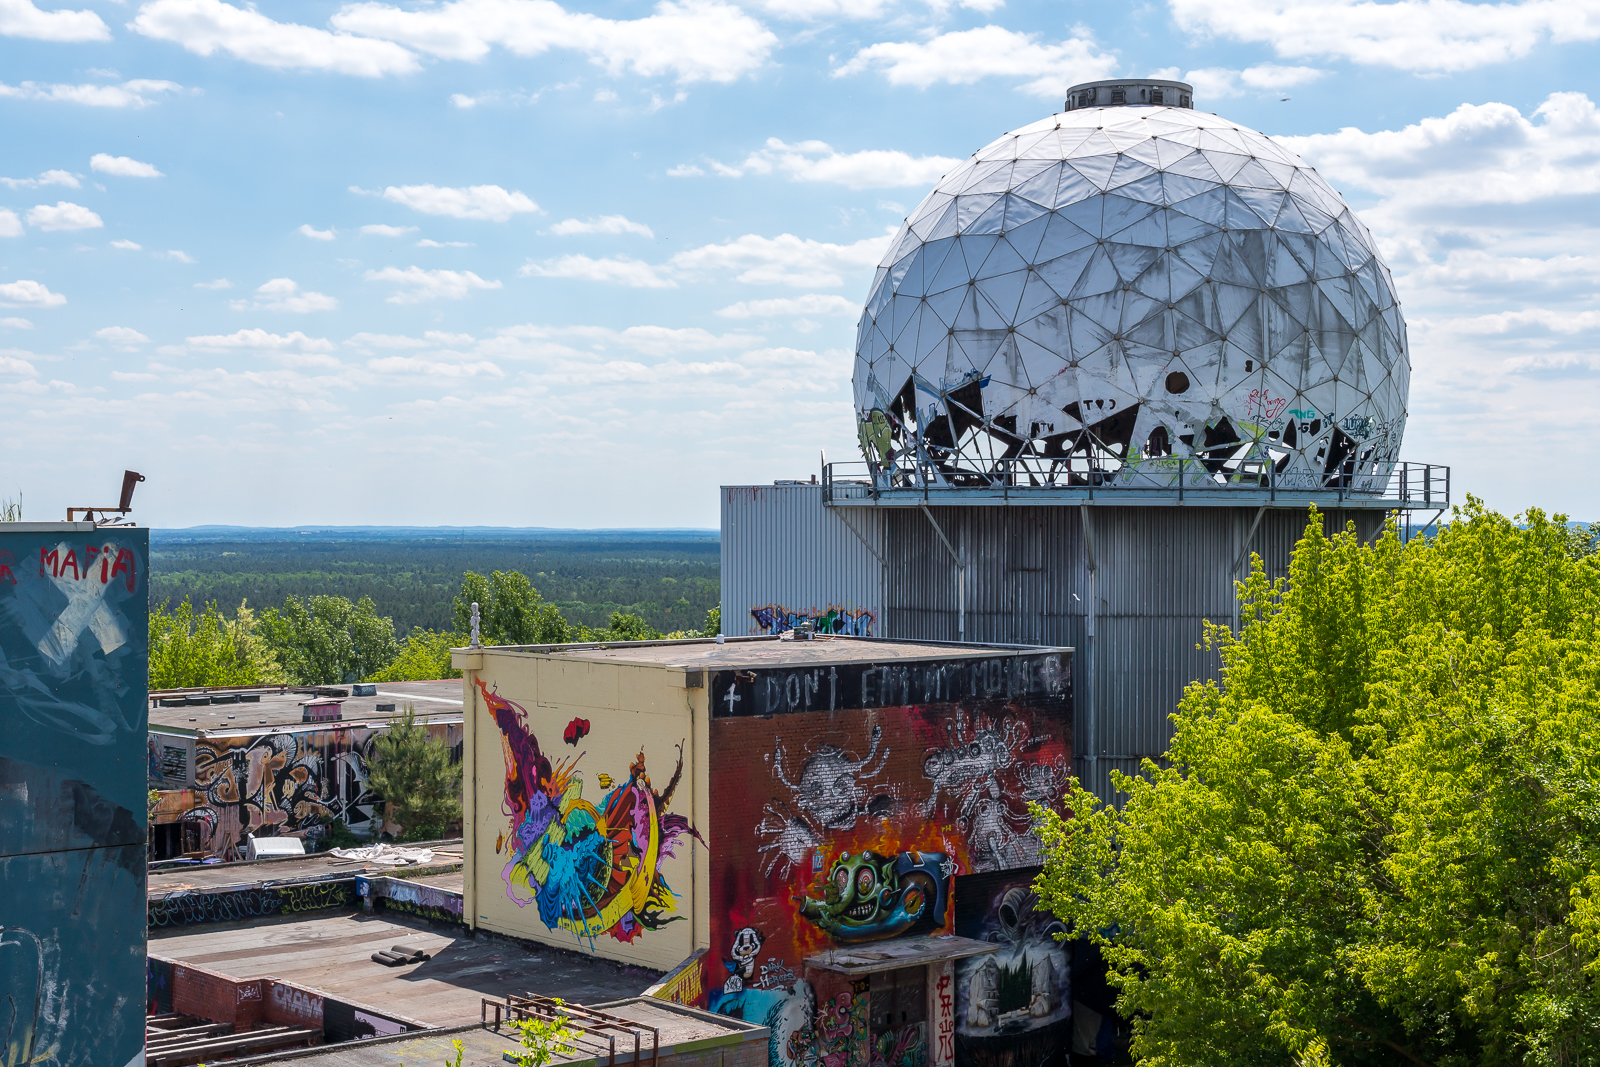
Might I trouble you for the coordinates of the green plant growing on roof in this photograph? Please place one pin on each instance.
(461, 1050)
(544, 1038)
(419, 783)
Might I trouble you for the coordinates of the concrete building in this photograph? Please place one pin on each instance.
(74, 657)
(826, 836)
(275, 760)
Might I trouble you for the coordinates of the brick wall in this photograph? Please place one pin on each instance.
(209, 995)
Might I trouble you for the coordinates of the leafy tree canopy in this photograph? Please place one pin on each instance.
(510, 611)
(1378, 840)
(325, 640)
(424, 656)
(413, 773)
(189, 650)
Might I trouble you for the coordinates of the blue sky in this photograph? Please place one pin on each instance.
(518, 262)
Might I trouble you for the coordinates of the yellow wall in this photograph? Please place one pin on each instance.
(630, 709)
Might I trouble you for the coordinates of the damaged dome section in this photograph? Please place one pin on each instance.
(1140, 296)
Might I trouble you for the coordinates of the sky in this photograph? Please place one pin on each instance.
(541, 263)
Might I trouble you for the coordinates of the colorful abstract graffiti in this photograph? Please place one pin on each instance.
(74, 660)
(860, 825)
(775, 618)
(593, 870)
(281, 783)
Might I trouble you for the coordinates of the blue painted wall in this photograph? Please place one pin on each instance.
(74, 662)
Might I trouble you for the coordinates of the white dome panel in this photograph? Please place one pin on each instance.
(1114, 288)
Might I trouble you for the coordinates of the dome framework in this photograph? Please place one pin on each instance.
(1139, 296)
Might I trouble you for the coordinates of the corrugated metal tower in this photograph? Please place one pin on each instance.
(1110, 356)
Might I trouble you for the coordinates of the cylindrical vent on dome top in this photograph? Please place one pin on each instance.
(1138, 92)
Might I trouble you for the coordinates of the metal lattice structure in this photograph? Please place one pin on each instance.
(1146, 296)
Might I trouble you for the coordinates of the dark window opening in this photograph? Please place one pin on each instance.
(1177, 382)
(1156, 97)
(1118, 96)
(1183, 101)
(1159, 444)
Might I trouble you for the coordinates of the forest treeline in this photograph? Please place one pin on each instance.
(327, 639)
(669, 581)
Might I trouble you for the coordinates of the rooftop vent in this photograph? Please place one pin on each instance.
(1140, 92)
(364, 689)
(321, 711)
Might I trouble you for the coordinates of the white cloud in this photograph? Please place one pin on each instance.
(420, 285)
(809, 304)
(428, 242)
(963, 57)
(220, 283)
(486, 202)
(1418, 35)
(808, 10)
(621, 270)
(260, 340)
(814, 161)
(122, 166)
(315, 234)
(385, 340)
(463, 101)
(282, 294)
(1478, 154)
(63, 216)
(604, 96)
(141, 92)
(10, 224)
(786, 260)
(691, 40)
(378, 229)
(435, 368)
(782, 260)
(602, 224)
(684, 170)
(125, 338)
(21, 18)
(126, 245)
(49, 177)
(205, 26)
(1220, 82)
(14, 323)
(177, 255)
(29, 293)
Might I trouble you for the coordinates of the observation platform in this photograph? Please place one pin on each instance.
(1185, 482)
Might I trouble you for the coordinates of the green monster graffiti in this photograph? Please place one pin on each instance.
(877, 443)
(868, 897)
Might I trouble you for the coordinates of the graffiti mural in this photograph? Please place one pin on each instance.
(592, 870)
(74, 660)
(775, 619)
(882, 789)
(282, 783)
(1013, 1009)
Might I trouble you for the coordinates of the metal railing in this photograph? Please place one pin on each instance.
(597, 1032)
(1394, 483)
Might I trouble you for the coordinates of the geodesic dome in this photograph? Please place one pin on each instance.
(1132, 295)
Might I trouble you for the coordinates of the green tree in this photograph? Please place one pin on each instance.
(424, 656)
(326, 640)
(623, 628)
(419, 783)
(713, 624)
(189, 650)
(1378, 840)
(544, 1037)
(510, 611)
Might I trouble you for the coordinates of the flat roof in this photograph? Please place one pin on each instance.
(678, 1026)
(333, 954)
(316, 867)
(768, 652)
(899, 952)
(281, 706)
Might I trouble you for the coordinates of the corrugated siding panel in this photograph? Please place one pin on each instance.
(782, 548)
(1162, 572)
